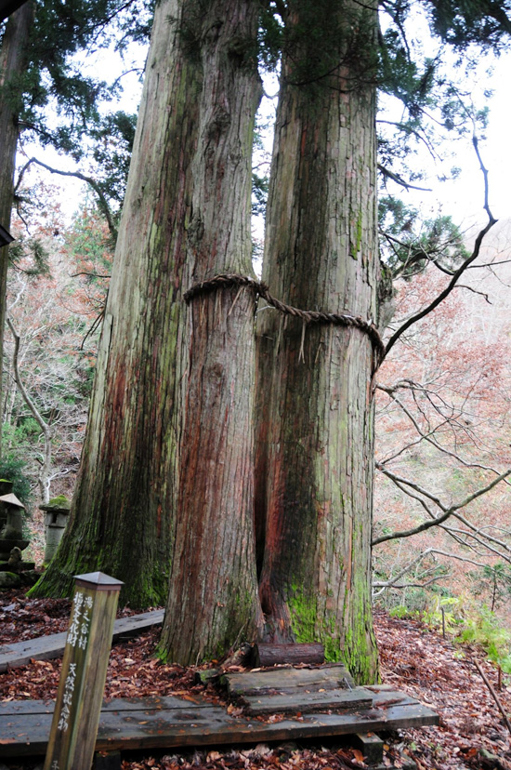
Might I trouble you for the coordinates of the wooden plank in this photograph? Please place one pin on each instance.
(52, 646)
(289, 680)
(307, 702)
(138, 724)
(152, 703)
(276, 654)
(125, 628)
(42, 648)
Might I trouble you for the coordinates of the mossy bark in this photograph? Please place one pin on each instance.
(213, 599)
(125, 501)
(315, 403)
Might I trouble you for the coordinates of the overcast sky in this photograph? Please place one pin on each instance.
(463, 198)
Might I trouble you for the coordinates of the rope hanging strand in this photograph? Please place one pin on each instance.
(309, 316)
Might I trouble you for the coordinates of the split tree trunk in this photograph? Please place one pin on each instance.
(168, 377)
(213, 600)
(123, 507)
(315, 404)
(12, 61)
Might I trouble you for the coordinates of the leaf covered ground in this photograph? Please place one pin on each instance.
(472, 733)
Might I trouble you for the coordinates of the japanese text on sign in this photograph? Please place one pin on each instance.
(80, 621)
(68, 697)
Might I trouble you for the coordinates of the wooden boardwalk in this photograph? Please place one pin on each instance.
(170, 722)
(52, 646)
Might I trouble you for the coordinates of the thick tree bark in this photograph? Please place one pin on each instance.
(12, 60)
(168, 377)
(213, 600)
(315, 402)
(124, 503)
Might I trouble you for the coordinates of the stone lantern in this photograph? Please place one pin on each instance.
(11, 535)
(56, 513)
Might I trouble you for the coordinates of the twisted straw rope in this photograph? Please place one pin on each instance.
(309, 316)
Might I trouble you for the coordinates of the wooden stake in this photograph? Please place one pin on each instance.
(494, 694)
(82, 680)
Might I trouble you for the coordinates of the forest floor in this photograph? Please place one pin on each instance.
(471, 735)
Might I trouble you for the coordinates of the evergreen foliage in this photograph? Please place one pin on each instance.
(13, 468)
(463, 22)
(408, 245)
(61, 106)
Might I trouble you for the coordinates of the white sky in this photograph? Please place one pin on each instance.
(462, 198)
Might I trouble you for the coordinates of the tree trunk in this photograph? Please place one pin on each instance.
(169, 378)
(12, 59)
(315, 402)
(213, 599)
(124, 504)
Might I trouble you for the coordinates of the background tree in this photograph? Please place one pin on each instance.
(54, 296)
(12, 61)
(40, 77)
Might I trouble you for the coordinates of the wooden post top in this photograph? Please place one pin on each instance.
(99, 581)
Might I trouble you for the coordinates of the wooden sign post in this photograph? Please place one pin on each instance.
(82, 680)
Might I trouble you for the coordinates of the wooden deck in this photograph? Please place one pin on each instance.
(171, 722)
(52, 646)
(303, 702)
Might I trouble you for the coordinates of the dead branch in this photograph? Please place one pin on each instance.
(475, 291)
(90, 275)
(459, 272)
(394, 581)
(400, 480)
(446, 512)
(494, 694)
(417, 134)
(479, 532)
(403, 586)
(103, 203)
(429, 436)
(399, 180)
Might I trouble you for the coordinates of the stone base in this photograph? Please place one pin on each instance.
(9, 580)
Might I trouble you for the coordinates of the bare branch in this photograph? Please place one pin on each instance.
(399, 180)
(28, 401)
(475, 291)
(447, 512)
(44, 473)
(400, 480)
(92, 275)
(428, 437)
(491, 264)
(407, 129)
(394, 581)
(459, 272)
(103, 203)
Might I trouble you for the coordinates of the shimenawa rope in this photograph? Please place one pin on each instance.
(309, 316)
